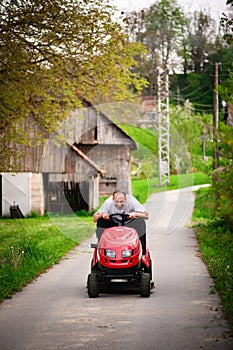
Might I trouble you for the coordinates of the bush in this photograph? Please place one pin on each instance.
(216, 246)
(223, 191)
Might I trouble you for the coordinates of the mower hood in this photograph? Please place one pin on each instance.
(118, 237)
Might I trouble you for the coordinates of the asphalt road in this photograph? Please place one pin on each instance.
(54, 312)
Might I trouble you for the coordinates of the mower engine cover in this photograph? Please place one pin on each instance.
(119, 247)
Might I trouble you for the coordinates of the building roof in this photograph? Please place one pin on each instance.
(87, 159)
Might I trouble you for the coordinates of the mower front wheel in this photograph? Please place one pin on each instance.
(145, 285)
(93, 285)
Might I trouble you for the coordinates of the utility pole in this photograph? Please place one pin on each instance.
(215, 120)
(163, 126)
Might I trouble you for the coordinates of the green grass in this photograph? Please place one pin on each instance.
(216, 246)
(144, 187)
(29, 246)
(144, 137)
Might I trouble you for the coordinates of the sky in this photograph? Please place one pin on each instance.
(215, 7)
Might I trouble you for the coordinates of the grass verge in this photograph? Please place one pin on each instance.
(144, 187)
(216, 246)
(30, 246)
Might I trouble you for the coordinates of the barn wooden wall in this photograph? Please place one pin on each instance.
(100, 139)
(115, 160)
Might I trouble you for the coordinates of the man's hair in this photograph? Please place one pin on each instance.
(118, 192)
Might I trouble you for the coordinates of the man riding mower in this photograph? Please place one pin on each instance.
(120, 254)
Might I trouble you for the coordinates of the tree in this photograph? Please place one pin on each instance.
(49, 51)
(222, 185)
(160, 30)
(227, 23)
(202, 35)
(225, 55)
(163, 24)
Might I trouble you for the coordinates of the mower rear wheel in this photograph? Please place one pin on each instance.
(145, 285)
(93, 285)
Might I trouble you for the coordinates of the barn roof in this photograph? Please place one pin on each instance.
(87, 159)
(120, 136)
(105, 120)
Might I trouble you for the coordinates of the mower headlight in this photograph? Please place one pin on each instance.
(126, 253)
(110, 253)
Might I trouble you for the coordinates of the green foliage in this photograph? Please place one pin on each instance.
(160, 30)
(223, 192)
(201, 38)
(167, 32)
(216, 245)
(29, 246)
(227, 23)
(50, 52)
(144, 187)
(195, 131)
(144, 137)
(225, 88)
(189, 134)
(144, 159)
(217, 250)
(192, 128)
(202, 165)
(34, 214)
(222, 189)
(84, 213)
(195, 88)
(163, 22)
(203, 210)
(226, 144)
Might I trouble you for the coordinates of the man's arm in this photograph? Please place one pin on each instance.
(137, 214)
(99, 215)
(102, 212)
(139, 210)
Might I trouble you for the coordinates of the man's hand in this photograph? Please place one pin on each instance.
(136, 214)
(105, 216)
(97, 216)
(133, 215)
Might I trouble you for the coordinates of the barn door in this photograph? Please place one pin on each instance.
(62, 195)
(77, 194)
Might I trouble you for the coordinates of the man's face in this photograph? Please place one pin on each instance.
(119, 200)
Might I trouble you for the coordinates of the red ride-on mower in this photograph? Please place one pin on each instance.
(118, 259)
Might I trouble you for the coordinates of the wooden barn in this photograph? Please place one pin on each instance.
(87, 156)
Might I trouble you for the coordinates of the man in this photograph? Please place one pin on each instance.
(120, 202)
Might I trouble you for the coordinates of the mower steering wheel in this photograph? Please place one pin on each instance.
(120, 218)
